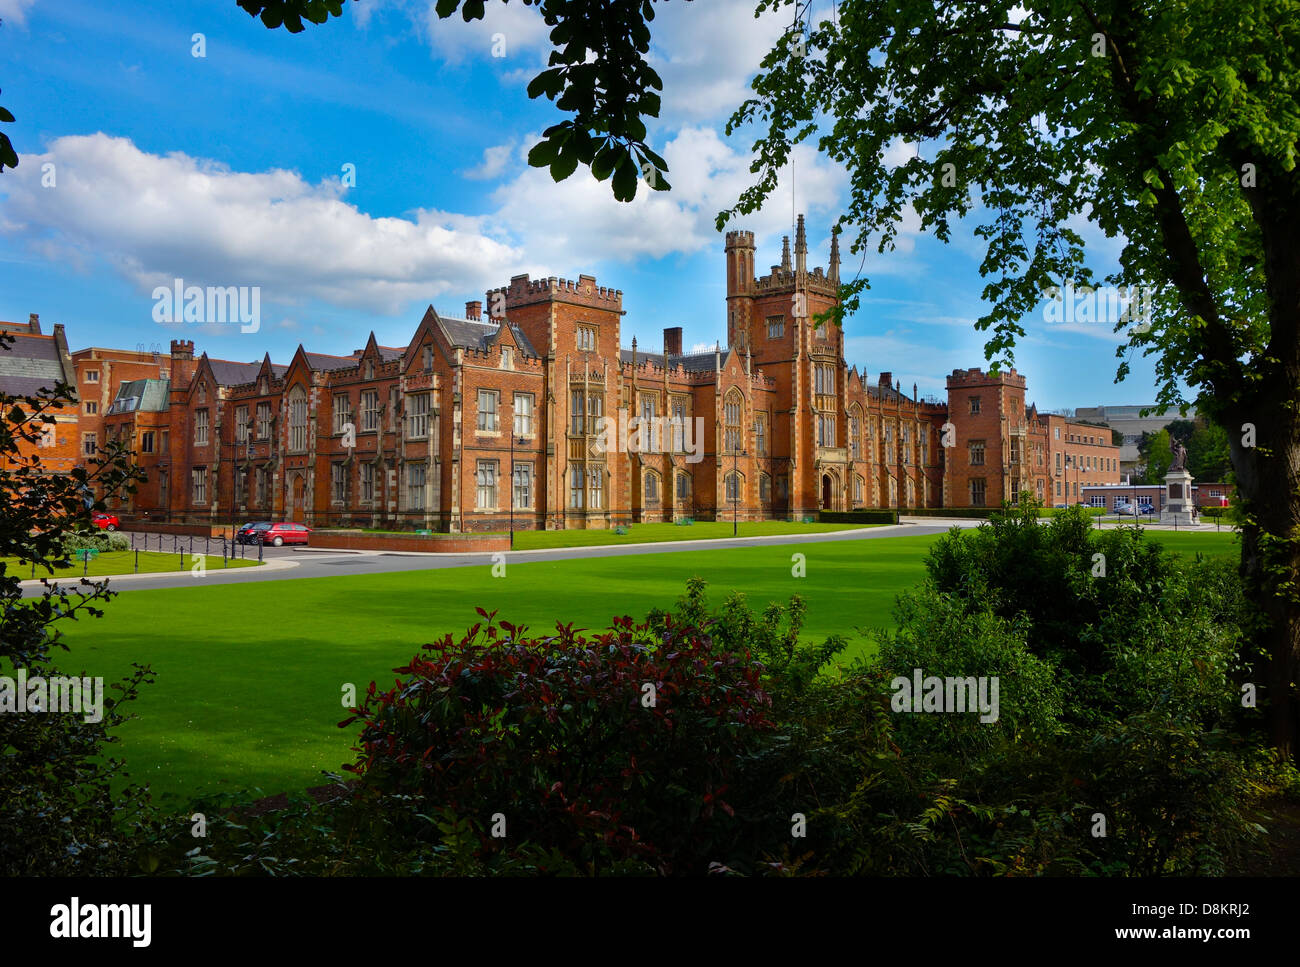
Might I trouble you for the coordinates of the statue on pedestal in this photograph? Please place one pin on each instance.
(1180, 455)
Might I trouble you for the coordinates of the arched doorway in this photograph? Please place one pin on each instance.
(297, 498)
(826, 491)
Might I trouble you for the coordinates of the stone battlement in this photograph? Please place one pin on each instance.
(977, 377)
(522, 290)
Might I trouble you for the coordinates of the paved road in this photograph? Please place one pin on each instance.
(286, 563)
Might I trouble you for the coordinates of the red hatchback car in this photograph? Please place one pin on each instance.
(280, 534)
(108, 522)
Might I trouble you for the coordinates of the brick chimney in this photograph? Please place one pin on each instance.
(887, 379)
(474, 310)
(34, 324)
(182, 349)
(673, 341)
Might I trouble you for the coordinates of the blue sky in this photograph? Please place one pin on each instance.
(228, 169)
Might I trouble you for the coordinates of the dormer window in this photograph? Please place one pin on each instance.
(428, 359)
(370, 369)
(507, 358)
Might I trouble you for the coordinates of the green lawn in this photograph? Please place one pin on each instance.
(250, 676)
(533, 540)
(658, 533)
(122, 562)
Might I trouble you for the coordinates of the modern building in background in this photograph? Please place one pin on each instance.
(1129, 421)
(482, 417)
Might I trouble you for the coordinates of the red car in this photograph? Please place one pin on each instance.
(108, 522)
(280, 534)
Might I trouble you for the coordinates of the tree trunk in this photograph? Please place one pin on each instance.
(1268, 482)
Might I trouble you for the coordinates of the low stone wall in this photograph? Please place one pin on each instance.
(190, 530)
(413, 543)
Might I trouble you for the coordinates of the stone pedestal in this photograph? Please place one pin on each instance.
(1179, 509)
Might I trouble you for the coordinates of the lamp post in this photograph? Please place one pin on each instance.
(234, 470)
(735, 502)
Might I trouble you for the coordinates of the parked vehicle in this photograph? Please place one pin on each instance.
(1148, 508)
(248, 533)
(1128, 510)
(108, 522)
(282, 533)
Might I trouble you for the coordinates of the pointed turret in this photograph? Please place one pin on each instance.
(785, 253)
(800, 248)
(835, 258)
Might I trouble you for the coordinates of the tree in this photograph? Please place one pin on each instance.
(1181, 430)
(1173, 125)
(8, 157)
(59, 814)
(1207, 453)
(1157, 457)
(598, 73)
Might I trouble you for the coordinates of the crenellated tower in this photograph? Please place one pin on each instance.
(740, 286)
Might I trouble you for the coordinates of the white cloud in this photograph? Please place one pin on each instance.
(512, 29)
(899, 153)
(707, 53)
(706, 176)
(495, 159)
(15, 11)
(155, 218)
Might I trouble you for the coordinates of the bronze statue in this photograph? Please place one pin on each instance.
(1180, 454)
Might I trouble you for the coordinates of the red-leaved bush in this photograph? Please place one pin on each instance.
(616, 747)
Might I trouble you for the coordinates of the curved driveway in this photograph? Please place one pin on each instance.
(290, 563)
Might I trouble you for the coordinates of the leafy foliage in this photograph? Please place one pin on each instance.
(598, 73)
(1174, 126)
(619, 747)
(59, 814)
(8, 157)
(809, 769)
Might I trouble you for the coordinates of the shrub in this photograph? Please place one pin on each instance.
(622, 747)
(940, 638)
(59, 811)
(94, 540)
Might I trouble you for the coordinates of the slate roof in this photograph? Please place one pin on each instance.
(29, 364)
(229, 373)
(322, 362)
(472, 334)
(691, 362)
(389, 353)
(142, 396)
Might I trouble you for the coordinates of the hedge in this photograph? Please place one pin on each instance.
(950, 511)
(858, 516)
(96, 540)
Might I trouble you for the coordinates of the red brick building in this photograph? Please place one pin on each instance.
(36, 361)
(100, 374)
(1003, 447)
(536, 411)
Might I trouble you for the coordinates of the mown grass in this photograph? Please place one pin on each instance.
(113, 563)
(251, 676)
